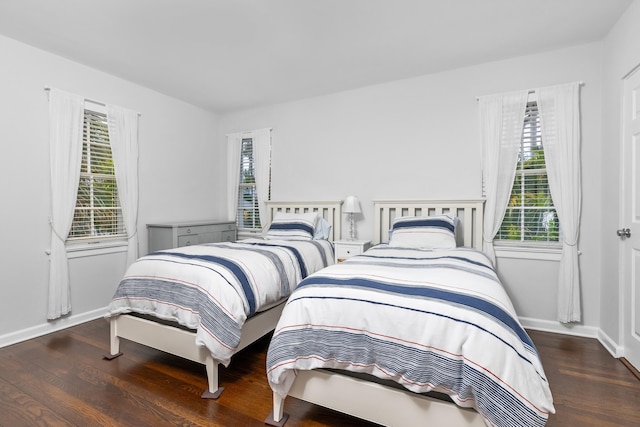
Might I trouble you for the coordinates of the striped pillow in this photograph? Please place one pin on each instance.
(430, 232)
(290, 226)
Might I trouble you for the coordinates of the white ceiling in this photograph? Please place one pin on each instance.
(227, 55)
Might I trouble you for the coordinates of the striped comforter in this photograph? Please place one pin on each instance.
(214, 288)
(429, 320)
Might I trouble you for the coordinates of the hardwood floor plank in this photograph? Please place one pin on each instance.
(631, 368)
(122, 380)
(49, 391)
(61, 380)
(589, 386)
(18, 408)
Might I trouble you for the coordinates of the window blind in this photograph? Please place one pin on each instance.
(97, 212)
(248, 213)
(530, 214)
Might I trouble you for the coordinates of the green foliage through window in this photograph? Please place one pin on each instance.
(97, 212)
(248, 213)
(530, 214)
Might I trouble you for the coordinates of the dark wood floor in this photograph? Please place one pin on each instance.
(61, 380)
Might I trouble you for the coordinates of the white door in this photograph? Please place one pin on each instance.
(630, 231)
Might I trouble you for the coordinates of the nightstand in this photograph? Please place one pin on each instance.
(347, 248)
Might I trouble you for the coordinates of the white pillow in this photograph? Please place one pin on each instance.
(427, 232)
(291, 226)
(323, 229)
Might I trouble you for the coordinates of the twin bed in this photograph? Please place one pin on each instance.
(207, 302)
(418, 330)
(378, 334)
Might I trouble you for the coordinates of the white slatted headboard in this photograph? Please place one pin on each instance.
(331, 211)
(470, 212)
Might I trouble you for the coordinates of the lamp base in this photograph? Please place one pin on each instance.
(352, 228)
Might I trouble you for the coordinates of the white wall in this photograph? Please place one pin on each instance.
(418, 138)
(415, 138)
(180, 178)
(621, 55)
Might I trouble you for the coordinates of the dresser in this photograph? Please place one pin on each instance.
(175, 234)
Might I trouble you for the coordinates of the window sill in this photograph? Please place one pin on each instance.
(543, 253)
(86, 249)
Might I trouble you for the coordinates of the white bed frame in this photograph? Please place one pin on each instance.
(372, 401)
(470, 212)
(181, 342)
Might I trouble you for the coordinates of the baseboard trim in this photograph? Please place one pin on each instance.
(560, 328)
(575, 330)
(616, 350)
(50, 326)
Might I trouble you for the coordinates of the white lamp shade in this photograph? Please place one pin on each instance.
(351, 205)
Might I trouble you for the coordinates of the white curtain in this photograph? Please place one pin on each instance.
(66, 117)
(501, 121)
(234, 148)
(123, 136)
(558, 107)
(262, 157)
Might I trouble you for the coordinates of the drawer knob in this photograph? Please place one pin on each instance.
(188, 231)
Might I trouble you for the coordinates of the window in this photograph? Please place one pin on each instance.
(530, 215)
(97, 212)
(248, 214)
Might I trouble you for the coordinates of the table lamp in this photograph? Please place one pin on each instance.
(351, 207)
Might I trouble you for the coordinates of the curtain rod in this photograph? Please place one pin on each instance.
(580, 83)
(47, 89)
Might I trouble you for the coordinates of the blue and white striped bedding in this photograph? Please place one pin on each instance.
(214, 288)
(429, 320)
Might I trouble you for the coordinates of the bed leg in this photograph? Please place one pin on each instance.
(213, 392)
(277, 417)
(114, 340)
